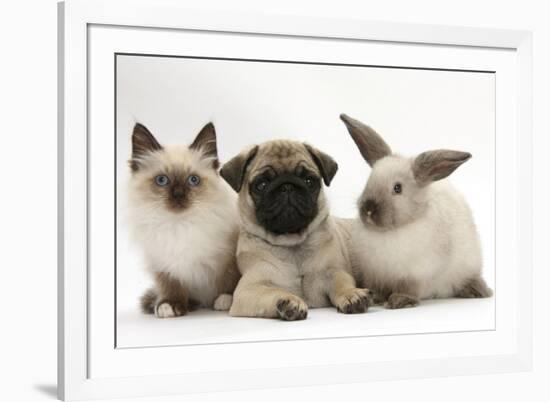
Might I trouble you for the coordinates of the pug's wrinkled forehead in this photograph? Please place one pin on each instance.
(283, 156)
(280, 157)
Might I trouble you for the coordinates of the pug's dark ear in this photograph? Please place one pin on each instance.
(436, 165)
(143, 143)
(327, 166)
(369, 142)
(234, 171)
(205, 142)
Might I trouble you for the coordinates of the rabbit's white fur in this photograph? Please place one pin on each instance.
(416, 237)
(439, 250)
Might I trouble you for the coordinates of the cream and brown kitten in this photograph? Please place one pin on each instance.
(184, 217)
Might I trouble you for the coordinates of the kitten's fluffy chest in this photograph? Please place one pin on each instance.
(195, 249)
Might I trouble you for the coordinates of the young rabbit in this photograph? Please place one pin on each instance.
(415, 237)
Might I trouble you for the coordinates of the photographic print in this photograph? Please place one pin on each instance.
(349, 200)
(263, 201)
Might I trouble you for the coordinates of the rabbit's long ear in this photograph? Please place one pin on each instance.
(369, 142)
(205, 142)
(436, 165)
(234, 171)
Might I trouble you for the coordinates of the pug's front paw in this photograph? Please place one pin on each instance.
(354, 301)
(291, 308)
(170, 308)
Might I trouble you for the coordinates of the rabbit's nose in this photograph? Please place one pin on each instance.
(371, 207)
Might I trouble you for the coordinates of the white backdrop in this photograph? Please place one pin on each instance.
(251, 102)
(29, 258)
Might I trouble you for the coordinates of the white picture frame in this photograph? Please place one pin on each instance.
(91, 367)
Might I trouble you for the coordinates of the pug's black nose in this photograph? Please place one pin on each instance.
(287, 187)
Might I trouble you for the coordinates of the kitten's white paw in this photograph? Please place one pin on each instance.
(223, 302)
(165, 310)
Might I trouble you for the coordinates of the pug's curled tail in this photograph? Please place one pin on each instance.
(147, 301)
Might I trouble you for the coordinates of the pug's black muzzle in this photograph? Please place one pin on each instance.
(287, 205)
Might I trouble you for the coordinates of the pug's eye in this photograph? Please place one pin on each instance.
(193, 180)
(310, 182)
(162, 180)
(260, 185)
(397, 188)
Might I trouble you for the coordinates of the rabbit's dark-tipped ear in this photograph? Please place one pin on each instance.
(143, 142)
(326, 165)
(436, 165)
(369, 142)
(234, 171)
(206, 143)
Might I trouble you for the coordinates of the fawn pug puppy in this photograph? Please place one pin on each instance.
(184, 216)
(291, 253)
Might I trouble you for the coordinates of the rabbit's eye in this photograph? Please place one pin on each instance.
(397, 188)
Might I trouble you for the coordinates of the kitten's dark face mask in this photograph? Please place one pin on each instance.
(177, 185)
(176, 189)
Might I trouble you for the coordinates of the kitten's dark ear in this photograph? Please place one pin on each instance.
(234, 171)
(143, 143)
(205, 142)
(327, 166)
(436, 165)
(369, 142)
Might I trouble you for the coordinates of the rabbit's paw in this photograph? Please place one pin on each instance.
(399, 300)
(474, 288)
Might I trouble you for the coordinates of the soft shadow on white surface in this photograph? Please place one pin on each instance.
(135, 329)
(49, 390)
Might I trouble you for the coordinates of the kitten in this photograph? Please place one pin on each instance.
(184, 217)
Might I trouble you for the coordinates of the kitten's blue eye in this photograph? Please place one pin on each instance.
(162, 180)
(193, 180)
